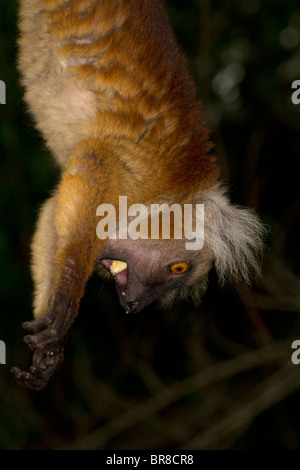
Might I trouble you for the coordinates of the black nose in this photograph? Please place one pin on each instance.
(131, 307)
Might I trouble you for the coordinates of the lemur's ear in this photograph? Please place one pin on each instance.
(235, 235)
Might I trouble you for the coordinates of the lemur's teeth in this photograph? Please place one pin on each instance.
(117, 266)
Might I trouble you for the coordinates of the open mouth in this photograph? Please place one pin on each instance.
(119, 271)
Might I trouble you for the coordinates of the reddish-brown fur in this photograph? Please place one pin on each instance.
(135, 127)
(110, 91)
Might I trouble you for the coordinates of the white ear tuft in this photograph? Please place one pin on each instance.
(235, 235)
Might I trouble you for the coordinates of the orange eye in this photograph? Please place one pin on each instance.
(179, 268)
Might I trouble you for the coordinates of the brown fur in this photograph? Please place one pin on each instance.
(110, 92)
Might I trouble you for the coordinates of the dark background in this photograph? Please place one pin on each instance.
(218, 376)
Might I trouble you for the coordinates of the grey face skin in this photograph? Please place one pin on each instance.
(152, 268)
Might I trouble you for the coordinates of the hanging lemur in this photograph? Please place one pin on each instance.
(110, 91)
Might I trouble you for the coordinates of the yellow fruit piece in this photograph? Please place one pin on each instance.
(117, 266)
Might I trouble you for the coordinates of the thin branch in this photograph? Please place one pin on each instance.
(166, 397)
(239, 417)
